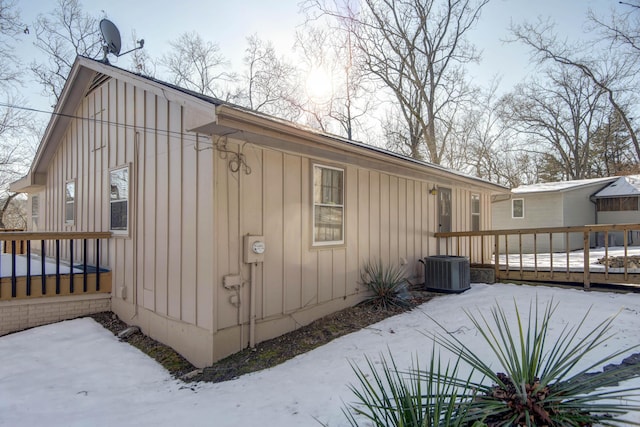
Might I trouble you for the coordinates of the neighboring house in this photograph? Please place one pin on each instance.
(231, 227)
(551, 204)
(618, 204)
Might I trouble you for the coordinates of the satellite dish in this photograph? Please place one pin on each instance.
(111, 37)
(112, 41)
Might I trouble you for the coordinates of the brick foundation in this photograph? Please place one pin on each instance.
(17, 315)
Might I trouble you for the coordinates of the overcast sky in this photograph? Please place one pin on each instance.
(228, 23)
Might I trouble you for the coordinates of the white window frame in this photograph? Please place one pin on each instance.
(513, 210)
(333, 205)
(475, 196)
(121, 231)
(70, 220)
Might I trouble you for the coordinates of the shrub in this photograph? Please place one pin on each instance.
(541, 383)
(390, 398)
(388, 285)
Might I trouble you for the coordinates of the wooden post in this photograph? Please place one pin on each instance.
(566, 248)
(520, 246)
(496, 256)
(535, 254)
(626, 258)
(551, 255)
(586, 275)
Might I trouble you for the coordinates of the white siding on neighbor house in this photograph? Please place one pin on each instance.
(619, 217)
(578, 208)
(579, 211)
(540, 210)
(571, 207)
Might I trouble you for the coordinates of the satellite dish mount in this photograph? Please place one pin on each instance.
(112, 42)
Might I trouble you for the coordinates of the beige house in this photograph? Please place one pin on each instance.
(231, 227)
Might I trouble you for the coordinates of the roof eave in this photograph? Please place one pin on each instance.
(229, 118)
(30, 183)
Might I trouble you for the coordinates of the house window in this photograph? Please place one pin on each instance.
(617, 204)
(119, 199)
(70, 203)
(475, 212)
(328, 205)
(35, 211)
(517, 208)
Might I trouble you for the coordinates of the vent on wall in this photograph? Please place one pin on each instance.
(97, 81)
(446, 273)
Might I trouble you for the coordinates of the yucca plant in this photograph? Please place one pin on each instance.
(387, 284)
(388, 397)
(543, 383)
(538, 381)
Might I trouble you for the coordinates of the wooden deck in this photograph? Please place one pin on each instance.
(44, 264)
(490, 248)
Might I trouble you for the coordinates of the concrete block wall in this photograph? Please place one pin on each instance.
(17, 315)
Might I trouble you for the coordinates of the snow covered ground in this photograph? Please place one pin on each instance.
(76, 373)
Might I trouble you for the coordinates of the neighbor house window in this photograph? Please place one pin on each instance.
(35, 211)
(517, 208)
(617, 204)
(328, 205)
(475, 212)
(119, 199)
(70, 202)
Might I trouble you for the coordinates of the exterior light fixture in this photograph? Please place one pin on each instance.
(433, 191)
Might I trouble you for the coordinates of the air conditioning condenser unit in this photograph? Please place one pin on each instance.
(445, 273)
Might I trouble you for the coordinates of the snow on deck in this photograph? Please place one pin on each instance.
(576, 260)
(6, 268)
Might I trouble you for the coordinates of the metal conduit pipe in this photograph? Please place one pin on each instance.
(252, 305)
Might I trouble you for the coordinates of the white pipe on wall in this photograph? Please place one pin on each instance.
(252, 306)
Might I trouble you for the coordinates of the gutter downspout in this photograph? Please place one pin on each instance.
(595, 208)
(593, 200)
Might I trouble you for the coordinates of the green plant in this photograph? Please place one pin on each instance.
(543, 383)
(388, 285)
(388, 397)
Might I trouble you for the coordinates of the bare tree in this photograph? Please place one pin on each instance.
(14, 121)
(400, 132)
(10, 27)
(350, 97)
(198, 65)
(622, 29)
(611, 73)
(269, 82)
(612, 150)
(417, 49)
(62, 35)
(558, 118)
(141, 62)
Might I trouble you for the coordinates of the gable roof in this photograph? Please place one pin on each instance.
(208, 116)
(621, 187)
(561, 186)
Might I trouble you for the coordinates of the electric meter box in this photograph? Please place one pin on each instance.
(254, 248)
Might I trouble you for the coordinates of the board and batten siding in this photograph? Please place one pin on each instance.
(168, 252)
(190, 206)
(387, 217)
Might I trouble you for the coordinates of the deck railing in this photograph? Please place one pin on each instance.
(54, 263)
(517, 255)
